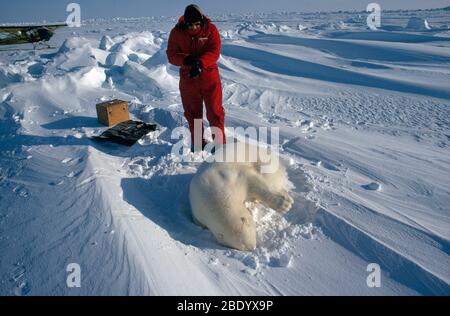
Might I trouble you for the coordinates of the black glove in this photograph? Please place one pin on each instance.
(190, 60)
(195, 70)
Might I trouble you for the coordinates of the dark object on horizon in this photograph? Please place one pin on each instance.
(126, 133)
(33, 34)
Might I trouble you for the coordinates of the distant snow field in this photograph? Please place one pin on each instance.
(364, 119)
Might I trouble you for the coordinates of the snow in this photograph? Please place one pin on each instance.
(364, 122)
(418, 24)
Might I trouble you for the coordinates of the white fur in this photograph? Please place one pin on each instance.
(219, 190)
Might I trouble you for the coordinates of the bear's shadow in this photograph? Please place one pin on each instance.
(165, 201)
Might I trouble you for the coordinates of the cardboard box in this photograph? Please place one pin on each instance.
(112, 112)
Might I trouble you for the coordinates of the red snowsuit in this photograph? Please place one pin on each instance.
(207, 86)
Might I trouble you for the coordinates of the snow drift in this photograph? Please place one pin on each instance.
(418, 24)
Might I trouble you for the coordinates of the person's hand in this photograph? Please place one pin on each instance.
(190, 60)
(195, 70)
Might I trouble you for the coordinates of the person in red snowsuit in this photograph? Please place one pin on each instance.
(194, 45)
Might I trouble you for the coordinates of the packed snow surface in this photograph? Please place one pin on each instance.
(364, 119)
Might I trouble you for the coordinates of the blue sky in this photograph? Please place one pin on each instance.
(54, 10)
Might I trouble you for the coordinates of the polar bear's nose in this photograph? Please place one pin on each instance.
(248, 245)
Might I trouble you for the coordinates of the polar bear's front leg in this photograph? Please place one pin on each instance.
(279, 201)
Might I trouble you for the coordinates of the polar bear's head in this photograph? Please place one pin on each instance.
(244, 234)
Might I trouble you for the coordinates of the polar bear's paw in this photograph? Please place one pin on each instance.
(281, 201)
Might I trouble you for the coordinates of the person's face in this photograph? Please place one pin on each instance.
(194, 27)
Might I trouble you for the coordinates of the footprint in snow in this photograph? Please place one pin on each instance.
(373, 186)
(21, 191)
(67, 160)
(56, 183)
(18, 277)
(326, 165)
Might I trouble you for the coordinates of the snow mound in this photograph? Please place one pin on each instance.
(116, 59)
(418, 24)
(85, 78)
(330, 26)
(135, 46)
(91, 77)
(78, 52)
(141, 81)
(227, 34)
(7, 77)
(106, 43)
(157, 76)
(158, 58)
(248, 28)
(301, 27)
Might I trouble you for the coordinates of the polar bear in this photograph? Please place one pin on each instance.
(219, 190)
